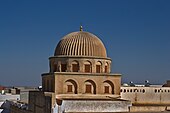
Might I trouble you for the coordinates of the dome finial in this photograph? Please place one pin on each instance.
(81, 28)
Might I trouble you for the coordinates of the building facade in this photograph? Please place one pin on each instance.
(147, 99)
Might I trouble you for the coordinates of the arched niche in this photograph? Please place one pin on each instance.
(90, 87)
(87, 67)
(98, 67)
(71, 86)
(108, 87)
(75, 66)
(106, 68)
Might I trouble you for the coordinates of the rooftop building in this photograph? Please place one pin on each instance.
(79, 79)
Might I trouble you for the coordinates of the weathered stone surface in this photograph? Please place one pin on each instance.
(94, 106)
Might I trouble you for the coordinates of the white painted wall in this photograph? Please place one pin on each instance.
(149, 96)
(5, 104)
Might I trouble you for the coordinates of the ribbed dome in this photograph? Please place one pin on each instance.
(80, 44)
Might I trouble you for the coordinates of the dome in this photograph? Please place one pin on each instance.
(80, 43)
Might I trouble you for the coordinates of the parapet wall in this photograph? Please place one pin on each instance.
(146, 95)
(92, 106)
(147, 108)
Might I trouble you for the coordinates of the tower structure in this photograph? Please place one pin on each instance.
(79, 79)
(80, 74)
(80, 66)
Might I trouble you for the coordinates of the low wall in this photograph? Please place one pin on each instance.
(73, 106)
(9, 97)
(147, 108)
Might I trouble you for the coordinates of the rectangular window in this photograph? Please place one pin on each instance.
(75, 67)
(106, 89)
(88, 88)
(69, 88)
(87, 68)
(105, 69)
(97, 68)
(63, 67)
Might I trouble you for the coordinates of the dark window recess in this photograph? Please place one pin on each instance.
(88, 88)
(105, 69)
(97, 68)
(87, 68)
(75, 67)
(70, 88)
(55, 68)
(63, 67)
(106, 89)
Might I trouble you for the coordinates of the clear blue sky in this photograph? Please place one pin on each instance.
(136, 34)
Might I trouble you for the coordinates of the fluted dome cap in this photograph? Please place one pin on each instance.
(80, 43)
